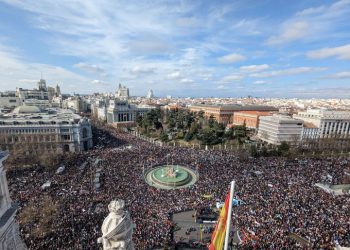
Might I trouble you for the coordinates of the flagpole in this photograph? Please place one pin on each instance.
(228, 224)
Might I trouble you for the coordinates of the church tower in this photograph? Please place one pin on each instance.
(58, 90)
(42, 85)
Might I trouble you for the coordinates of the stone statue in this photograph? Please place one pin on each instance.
(117, 228)
(171, 172)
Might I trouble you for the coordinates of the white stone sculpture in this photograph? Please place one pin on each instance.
(117, 228)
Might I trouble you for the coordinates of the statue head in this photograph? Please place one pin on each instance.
(115, 206)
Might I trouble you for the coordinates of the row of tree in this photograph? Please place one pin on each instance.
(189, 126)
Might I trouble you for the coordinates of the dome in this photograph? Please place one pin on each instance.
(26, 110)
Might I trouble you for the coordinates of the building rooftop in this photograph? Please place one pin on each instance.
(237, 107)
(50, 115)
(309, 125)
(26, 110)
(280, 118)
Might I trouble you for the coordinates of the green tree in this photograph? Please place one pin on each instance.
(283, 147)
(163, 137)
(211, 121)
(254, 151)
(188, 136)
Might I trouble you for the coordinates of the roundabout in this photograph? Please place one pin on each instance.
(170, 176)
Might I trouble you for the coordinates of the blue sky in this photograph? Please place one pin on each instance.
(265, 48)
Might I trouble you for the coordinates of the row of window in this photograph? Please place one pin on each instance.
(27, 131)
(40, 122)
(331, 127)
(23, 138)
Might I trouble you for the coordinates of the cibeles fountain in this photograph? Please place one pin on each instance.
(117, 228)
(170, 176)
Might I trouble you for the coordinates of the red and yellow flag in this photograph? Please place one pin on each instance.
(218, 236)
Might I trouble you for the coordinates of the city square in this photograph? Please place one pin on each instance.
(174, 125)
(275, 200)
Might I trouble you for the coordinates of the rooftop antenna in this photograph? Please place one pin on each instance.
(41, 75)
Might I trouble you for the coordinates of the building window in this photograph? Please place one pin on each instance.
(65, 137)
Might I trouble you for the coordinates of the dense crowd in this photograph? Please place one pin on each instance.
(279, 201)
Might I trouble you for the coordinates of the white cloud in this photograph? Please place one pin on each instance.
(92, 68)
(97, 82)
(311, 11)
(129, 41)
(341, 52)
(141, 70)
(231, 78)
(186, 80)
(339, 75)
(286, 72)
(259, 82)
(175, 75)
(290, 32)
(313, 24)
(221, 86)
(16, 72)
(231, 58)
(31, 81)
(254, 68)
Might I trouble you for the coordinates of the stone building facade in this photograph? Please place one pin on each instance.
(52, 131)
(9, 233)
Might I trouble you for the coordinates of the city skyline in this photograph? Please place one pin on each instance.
(183, 48)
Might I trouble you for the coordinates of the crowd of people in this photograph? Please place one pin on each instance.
(280, 201)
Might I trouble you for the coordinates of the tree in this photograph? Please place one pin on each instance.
(188, 136)
(211, 121)
(209, 136)
(229, 133)
(139, 119)
(283, 147)
(163, 137)
(254, 151)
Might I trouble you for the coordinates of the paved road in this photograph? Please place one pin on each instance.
(186, 220)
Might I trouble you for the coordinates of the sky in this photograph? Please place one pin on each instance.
(204, 48)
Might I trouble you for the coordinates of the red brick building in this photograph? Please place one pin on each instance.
(225, 113)
(251, 118)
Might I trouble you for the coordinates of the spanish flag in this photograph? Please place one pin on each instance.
(218, 236)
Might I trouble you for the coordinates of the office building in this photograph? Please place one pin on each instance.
(278, 128)
(325, 123)
(9, 100)
(41, 93)
(35, 130)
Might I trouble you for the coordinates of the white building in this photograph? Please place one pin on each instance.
(102, 113)
(75, 103)
(122, 92)
(121, 113)
(326, 123)
(278, 128)
(42, 92)
(150, 94)
(38, 103)
(9, 100)
(52, 131)
(9, 233)
(99, 108)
